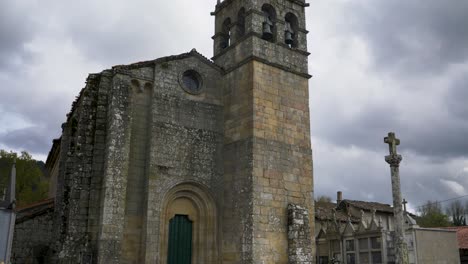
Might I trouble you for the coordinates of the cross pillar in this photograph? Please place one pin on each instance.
(394, 159)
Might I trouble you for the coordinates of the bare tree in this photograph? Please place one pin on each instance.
(430, 207)
(457, 212)
(323, 199)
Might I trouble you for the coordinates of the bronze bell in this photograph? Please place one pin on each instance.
(288, 38)
(267, 28)
(267, 34)
(288, 34)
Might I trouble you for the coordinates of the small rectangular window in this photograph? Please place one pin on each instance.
(364, 258)
(363, 244)
(350, 258)
(376, 258)
(350, 245)
(376, 242)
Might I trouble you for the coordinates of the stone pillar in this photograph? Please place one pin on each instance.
(394, 159)
(7, 218)
(299, 237)
(115, 174)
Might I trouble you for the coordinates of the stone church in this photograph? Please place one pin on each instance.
(184, 159)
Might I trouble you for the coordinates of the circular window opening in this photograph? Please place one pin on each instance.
(191, 81)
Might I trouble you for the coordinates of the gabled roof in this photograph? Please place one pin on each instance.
(368, 206)
(142, 64)
(349, 228)
(151, 63)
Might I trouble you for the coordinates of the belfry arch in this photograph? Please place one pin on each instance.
(192, 201)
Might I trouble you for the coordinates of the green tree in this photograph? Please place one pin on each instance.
(431, 215)
(31, 185)
(457, 212)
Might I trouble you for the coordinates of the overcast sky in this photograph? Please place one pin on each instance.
(378, 66)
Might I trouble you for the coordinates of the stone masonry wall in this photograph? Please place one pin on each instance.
(282, 158)
(99, 150)
(267, 161)
(83, 141)
(115, 171)
(80, 161)
(135, 205)
(156, 140)
(186, 146)
(237, 207)
(33, 238)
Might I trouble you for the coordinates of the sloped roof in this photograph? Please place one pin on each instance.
(53, 153)
(369, 206)
(150, 63)
(24, 213)
(324, 212)
(462, 235)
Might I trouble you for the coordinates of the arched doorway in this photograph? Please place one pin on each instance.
(189, 229)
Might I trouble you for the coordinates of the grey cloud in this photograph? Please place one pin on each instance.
(15, 31)
(433, 135)
(136, 35)
(364, 177)
(417, 50)
(32, 139)
(412, 37)
(365, 130)
(440, 139)
(457, 98)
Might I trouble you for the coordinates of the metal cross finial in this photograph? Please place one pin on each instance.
(392, 142)
(404, 204)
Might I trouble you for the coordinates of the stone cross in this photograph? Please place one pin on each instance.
(392, 142)
(404, 204)
(394, 159)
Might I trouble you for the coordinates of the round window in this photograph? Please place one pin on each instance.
(191, 82)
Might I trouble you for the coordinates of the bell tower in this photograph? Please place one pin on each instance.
(270, 31)
(268, 182)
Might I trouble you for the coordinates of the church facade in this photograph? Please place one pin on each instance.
(183, 159)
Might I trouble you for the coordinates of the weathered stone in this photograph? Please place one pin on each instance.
(140, 147)
(300, 240)
(401, 248)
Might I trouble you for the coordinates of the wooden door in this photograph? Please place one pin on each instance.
(180, 240)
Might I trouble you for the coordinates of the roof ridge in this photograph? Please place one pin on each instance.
(153, 62)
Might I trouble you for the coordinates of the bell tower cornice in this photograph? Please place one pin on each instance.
(222, 4)
(272, 32)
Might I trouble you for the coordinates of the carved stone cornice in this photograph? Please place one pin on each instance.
(394, 160)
